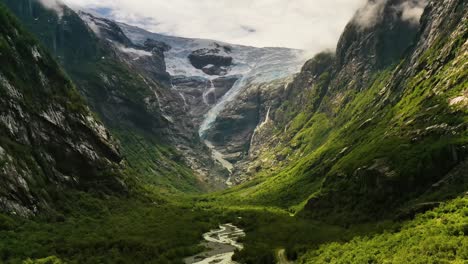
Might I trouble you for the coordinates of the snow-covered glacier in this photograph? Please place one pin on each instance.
(249, 65)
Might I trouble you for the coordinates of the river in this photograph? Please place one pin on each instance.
(220, 246)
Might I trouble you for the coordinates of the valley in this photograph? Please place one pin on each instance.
(120, 145)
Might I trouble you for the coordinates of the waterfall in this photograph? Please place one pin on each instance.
(260, 126)
(211, 116)
(183, 99)
(212, 89)
(174, 88)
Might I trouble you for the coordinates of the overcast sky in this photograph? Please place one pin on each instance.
(313, 25)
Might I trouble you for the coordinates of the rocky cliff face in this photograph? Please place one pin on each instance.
(49, 138)
(127, 85)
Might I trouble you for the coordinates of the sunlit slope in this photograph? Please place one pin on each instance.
(367, 134)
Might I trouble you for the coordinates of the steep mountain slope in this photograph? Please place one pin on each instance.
(50, 142)
(202, 75)
(128, 94)
(206, 72)
(376, 124)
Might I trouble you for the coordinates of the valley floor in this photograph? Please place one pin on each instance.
(144, 230)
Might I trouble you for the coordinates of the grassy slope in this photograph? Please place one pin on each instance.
(154, 161)
(325, 149)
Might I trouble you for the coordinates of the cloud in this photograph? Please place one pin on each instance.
(370, 14)
(313, 25)
(412, 10)
(91, 24)
(55, 5)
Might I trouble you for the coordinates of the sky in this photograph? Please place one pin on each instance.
(312, 25)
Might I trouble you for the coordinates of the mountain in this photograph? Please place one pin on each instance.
(158, 74)
(209, 75)
(360, 132)
(50, 140)
(127, 98)
(67, 195)
(206, 75)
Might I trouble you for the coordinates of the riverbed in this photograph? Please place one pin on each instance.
(220, 245)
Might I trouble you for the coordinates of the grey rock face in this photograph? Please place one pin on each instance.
(215, 57)
(49, 137)
(208, 75)
(373, 45)
(156, 46)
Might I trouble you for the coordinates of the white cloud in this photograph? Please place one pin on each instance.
(412, 10)
(53, 5)
(370, 14)
(313, 25)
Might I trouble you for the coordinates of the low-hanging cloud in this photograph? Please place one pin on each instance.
(313, 25)
(370, 14)
(412, 10)
(54, 5)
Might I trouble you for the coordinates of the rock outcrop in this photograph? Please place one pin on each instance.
(213, 61)
(49, 138)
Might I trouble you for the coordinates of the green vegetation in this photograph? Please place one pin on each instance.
(90, 229)
(101, 229)
(156, 164)
(19, 48)
(48, 260)
(152, 230)
(438, 236)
